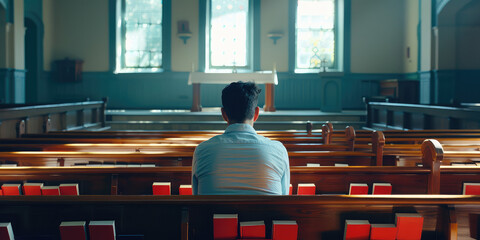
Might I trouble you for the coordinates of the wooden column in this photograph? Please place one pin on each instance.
(269, 98)
(196, 106)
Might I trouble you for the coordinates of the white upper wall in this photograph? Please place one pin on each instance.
(410, 59)
(79, 30)
(49, 29)
(3, 37)
(18, 42)
(273, 19)
(381, 30)
(459, 35)
(184, 55)
(426, 39)
(468, 37)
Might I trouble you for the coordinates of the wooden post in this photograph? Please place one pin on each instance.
(378, 142)
(61, 162)
(21, 128)
(447, 224)
(269, 98)
(325, 134)
(114, 185)
(350, 135)
(196, 105)
(309, 127)
(184, 226)
(432, 156)
(63, 121)
(330, 126)
(47, 125)
(80, 118)
(103, 118)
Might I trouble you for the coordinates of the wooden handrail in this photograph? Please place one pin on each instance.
(457, 117)
(37, 110)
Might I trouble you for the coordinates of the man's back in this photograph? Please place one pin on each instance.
(240, 162)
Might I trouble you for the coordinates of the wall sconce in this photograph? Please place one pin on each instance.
(275, 36)
(183, 31)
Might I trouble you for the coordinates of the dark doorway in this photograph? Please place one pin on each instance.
(31, 61)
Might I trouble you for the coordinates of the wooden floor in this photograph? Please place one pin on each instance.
(211, 119)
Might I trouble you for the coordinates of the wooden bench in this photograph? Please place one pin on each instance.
(301, 150)
(309, 136)
(172, 158)
(445, 215)
(397, 146)
(191, 217)
(330, 180)
(138, 180)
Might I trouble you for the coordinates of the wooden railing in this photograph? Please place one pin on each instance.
(17, 121)
(396, 116)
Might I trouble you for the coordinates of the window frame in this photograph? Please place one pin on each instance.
(339, 39)
(119, 29)
(252, 35)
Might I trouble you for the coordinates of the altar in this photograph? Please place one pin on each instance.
(269, 78)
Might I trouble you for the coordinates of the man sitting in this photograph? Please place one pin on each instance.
(240, 162)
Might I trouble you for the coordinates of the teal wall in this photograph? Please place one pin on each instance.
(7, 4)
(169, 89)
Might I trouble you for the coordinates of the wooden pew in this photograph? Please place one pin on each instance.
(329, 180)
(123, 179)
(190, 217)
(301, 153)
(172, 133)
(398, 150)
(283, 136)
(138, 180)
(172, 158)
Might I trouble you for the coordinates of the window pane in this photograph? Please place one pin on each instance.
(228, 33)
(143, 33)
(315, 34)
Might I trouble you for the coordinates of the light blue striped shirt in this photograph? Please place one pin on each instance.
(240, 162)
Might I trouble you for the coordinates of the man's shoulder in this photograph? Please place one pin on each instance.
(274, 143)
(206, 143)
(252, 139)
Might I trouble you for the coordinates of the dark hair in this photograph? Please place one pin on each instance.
(239, 100)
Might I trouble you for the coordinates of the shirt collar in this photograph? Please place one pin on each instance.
(240, 127)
